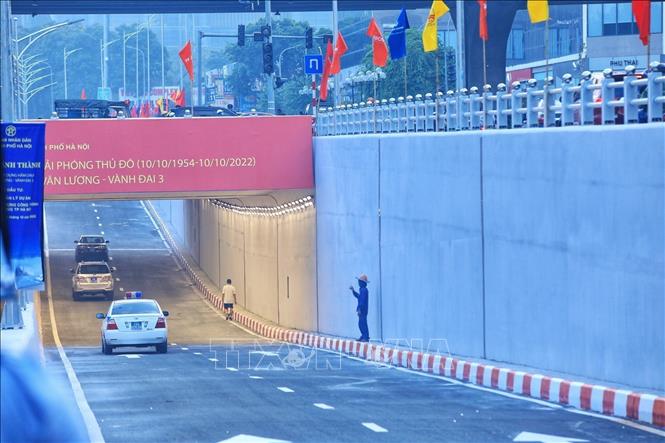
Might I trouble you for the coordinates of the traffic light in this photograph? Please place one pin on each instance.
(279, 82)
(267, 58)
(309, 38)
(266, 31)
(241, 35)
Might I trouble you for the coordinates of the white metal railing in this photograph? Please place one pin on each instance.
(607, 102)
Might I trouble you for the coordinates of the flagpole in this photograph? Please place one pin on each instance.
(484, 64)
(405, 81)
(547, 49)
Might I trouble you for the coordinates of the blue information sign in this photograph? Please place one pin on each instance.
(314, 64)
(23, 166)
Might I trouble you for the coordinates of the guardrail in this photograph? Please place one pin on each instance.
(631, 100)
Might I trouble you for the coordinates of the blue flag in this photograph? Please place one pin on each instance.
(397, 37)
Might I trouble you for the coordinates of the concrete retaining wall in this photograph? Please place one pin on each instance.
(557, 264)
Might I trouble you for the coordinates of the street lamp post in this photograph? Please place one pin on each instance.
(18, 55)
(137, 70)
(66, 54)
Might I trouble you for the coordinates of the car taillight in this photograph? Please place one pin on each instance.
(161, 323)
(110, 325)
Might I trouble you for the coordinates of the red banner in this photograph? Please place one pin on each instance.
(177, 157)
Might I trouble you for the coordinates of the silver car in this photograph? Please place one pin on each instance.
(92, 278)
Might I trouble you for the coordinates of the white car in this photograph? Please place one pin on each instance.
(92, 278)
(134, 322)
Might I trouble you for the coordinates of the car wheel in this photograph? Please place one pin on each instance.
(106, 349)
(162, 348)
(75, 296)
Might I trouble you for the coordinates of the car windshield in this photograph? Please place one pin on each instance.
(142, 307)
(94, 269)
(92, 239)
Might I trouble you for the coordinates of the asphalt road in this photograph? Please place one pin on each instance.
(218, 382)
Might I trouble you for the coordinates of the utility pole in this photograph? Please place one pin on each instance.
(105, 75)
(270, 86)
(161, 20)
(148, 57)
(137, 63)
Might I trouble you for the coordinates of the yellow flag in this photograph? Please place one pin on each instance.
(430, 37)
(539, 10)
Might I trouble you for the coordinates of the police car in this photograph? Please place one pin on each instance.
(134, 321)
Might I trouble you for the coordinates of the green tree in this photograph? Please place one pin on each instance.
(421, 69)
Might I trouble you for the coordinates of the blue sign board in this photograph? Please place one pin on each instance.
(313, 64)
(23, 180)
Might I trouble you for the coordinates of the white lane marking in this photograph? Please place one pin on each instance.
(117, 279)
(97, 217)
(197, 353)
(285, 389)
(174, 344)
(102, 232)
(122, 289)
(154, 223)
(244, 438)
(130, 355)
(232, 369)
(544, 438)
(92, 427)
(324, 406)
(99, 224)
(374, 427)
(621, 421)
(95, 210)
(184, 349)
(213, 359)
(256, 377)
(271, 354)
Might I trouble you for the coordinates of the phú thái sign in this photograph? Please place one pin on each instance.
(109, 158)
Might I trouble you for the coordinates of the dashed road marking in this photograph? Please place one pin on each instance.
(99, 224)
(213, 359)
(102, 232)
(285, 389)
(374, 427)
(256, 377)
(184, 349)
(130, 355)
(323, 406)
(122, 289)
(174, 344)
(232, 369)
(117, 279)
(197, 353)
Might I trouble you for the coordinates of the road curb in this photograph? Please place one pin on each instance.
(621, 403)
